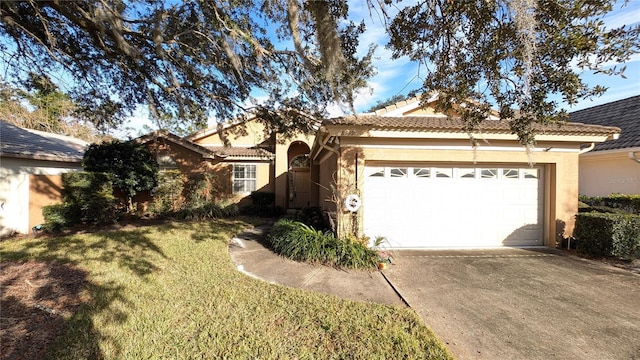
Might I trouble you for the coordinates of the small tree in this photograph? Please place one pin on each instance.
(132, 166)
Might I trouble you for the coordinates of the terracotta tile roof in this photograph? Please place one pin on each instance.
(444, 124)
(624, 114)
(223, 151)
(176, 139)
(32, 144)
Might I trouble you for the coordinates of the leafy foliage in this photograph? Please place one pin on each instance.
(298, 241)
(132, 165)
(195, 59)
(518, 53)
(42, 106)
(312, 216)
(603, 234)
(189, 60)
(167, 195)
(86, 197)
(262, 205)
(617, 202)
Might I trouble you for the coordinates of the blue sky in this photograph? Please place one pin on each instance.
(401, 76)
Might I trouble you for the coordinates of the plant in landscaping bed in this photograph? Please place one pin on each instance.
(616, 203)
(603, 234)
(299, 241)
(312, 216)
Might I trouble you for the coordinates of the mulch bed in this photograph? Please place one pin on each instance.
(36, 298)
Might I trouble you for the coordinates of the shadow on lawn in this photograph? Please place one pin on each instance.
(66, 298)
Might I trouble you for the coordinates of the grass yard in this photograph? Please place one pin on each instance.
(171, 291)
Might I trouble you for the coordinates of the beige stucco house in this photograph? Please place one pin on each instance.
(419, 181)
(31, 165)
(613, 166)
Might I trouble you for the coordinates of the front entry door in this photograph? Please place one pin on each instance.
(299, 184)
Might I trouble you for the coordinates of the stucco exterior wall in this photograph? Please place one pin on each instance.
(188, 161)
(604, 173)
(25, 186)
(43, 190)
(561, 173)
(250, 133)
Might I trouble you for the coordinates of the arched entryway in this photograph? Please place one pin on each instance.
(299, 184)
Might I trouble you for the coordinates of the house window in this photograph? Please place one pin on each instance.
(509, 173)
(244, 178)
(376, 172)
(166, 162)
(531, 174)
(466, 173)
(444, 172)
(489, 173)
(300, 161)
(421, 172)
(398, 172)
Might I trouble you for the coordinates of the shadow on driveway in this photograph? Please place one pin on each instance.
(522, 304)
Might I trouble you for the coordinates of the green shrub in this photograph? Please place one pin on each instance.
(312, 216)
(262, 210)
(167, 196)
(87, 197)
(619, 202)
(201, 189)
(298, 241)
(604, 234)
(263, 198)
(262, 205)
(207, 211)
(55, 217)
(625, 243)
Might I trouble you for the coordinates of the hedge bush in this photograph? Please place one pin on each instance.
(167, 196)
(613, 203)
(301, 242)
(603, 234)
(206, 211)
(312, 216)
(262, 205)
(56, 217)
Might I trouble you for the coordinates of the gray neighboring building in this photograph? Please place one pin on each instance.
(31, 164)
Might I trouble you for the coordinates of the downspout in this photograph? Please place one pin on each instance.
(587, 149)
(634, 157)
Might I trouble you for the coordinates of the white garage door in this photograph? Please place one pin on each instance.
(454, 207)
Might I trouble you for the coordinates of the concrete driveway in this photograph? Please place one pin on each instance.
(522, 304)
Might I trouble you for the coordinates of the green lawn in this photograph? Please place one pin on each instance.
(171, 291)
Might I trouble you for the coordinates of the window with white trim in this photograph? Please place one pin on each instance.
(244, 178)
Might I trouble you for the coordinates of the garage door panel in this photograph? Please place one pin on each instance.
(454, 207)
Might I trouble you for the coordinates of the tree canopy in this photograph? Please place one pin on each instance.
(132, 166)
(189, 60)
(40, 105)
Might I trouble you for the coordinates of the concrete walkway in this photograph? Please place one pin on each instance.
(250, 252)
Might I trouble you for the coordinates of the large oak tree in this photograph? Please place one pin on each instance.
(189, 60)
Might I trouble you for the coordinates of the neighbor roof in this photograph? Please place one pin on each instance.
(23, 143)
(177, 140)
(444, 124)
(205, 150)
(624, 114)
(239, 152)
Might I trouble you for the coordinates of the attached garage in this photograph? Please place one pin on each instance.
(31, 164)
(423, 185)
(438, 206)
